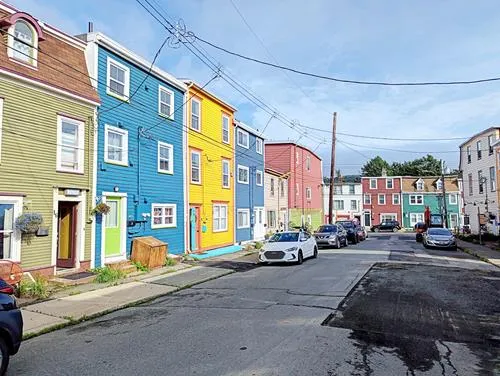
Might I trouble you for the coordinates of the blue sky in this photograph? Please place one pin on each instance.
(364, 40)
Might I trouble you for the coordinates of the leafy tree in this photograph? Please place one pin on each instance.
(427, 165)
(375, 166)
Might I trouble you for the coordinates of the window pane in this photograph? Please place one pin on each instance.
(112, 215)
(157, 215)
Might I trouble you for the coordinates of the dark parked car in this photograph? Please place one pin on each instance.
(351, 228)
(386, 226)
(440, 238)
(11, 325)
(420, 228)
(361, 232)
(331, 236)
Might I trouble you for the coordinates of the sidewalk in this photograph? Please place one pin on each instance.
(480, 251)
(58, 312)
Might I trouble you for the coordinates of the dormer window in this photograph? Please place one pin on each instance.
(420, 185)
(23, 35)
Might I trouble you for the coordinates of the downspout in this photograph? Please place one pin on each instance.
(138, 198)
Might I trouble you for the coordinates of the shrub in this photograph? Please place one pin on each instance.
(170, 261)
(34, 289)
(107, 274)
(140, 267)
(258, 245)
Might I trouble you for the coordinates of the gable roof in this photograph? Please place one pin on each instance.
(479, 134)
(248, 128)
(270, 142)
(410, 184)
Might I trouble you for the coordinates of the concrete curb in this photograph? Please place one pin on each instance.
(74, 321)
(476, 255)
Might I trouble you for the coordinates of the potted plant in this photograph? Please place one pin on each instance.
(101, 208)
(29, 223)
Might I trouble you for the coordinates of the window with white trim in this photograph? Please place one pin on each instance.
(219, 217)
(453, 199)
(10, 240)
(22, 43)
(373, 183)
(367, 199)
(164, 215)
(420, 185)
(243, 174)
(225, 173)
(115, 145)
(395, 198)
(165, 102)
(271, 218)
(416, 199)
(195, 167)
(1, 121)
(354, 205)
(388, 217)
(389, 183)
(490, 144)
(338, 204)
(271, 187)
(308, 163)
(242, 138)
(195, 114)
(416, 218)
(243, 218)
(439, 185)
(165, 158)
(479, 151)
(70, 144)
(118, 80)
(493, 179)
(258, 177)
(480, 181)
(381, 199)
(258, 146)
(469, 157)
(225, 129)
(308, 193)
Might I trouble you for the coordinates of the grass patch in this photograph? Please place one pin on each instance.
(37, 289)
(258, 245)
(140, 267)
(170, 261)
(107, 274)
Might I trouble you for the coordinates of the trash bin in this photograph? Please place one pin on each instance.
(149, 251)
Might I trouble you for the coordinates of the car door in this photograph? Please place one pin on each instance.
(305, 244)
(383, 226)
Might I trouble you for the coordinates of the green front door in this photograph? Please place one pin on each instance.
(113, 227)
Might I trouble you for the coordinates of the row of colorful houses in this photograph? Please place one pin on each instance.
(374, 200)
(106, 147)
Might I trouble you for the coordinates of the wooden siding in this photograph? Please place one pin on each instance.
(140, 180)
(276, 202)
(209, 143)
(28, 159)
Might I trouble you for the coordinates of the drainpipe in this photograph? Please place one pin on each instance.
(138, 198)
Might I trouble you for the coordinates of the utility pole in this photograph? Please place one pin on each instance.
(332, 168)
(479, 224)
(444, 196)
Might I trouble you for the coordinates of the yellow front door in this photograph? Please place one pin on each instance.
(67, 235)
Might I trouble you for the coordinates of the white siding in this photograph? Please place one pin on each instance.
(346, 197)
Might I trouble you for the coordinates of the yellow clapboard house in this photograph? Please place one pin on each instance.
(210, 170)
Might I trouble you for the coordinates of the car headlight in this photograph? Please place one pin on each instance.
(293, 249)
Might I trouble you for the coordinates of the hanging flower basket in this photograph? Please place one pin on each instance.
(101, 208)
(29, 223)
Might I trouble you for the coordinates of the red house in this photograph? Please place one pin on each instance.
(304, 168)
(381, 199)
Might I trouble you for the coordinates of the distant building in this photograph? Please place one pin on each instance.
(276, 200)
(347, 201)
(478, 165)
(381, 199)
(305, 196)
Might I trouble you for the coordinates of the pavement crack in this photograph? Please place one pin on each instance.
(306, 305)
(447, 357)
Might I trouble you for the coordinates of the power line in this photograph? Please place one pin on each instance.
(347, 81)
(400, 150)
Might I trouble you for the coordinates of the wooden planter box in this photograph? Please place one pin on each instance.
(149, 251)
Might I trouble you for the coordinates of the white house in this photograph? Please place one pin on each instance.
(347, 201)
(478, 167)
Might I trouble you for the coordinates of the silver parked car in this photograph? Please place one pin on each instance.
(437, 237)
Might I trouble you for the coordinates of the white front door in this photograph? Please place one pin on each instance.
(10, 209)
(259, 230)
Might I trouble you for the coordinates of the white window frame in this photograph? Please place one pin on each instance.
(455, 199)
(226, 141)
(219, 218)
(34, 48)
(338, 207)
(493, 179)
(17, 201)
(308, 163)
(164, 206)
(479, 150)
(416, 199)
(241, 167)
(396, 195)
(387, 180)
(419, 217)
(365, 201)
(439, 185)
(469, 154)
(191, 152)
(257, 174)
(126, 76)
(308, 193)
(259, 146)
(81, 145)
(198, 115)
(371, 181)
(420, 185)
(170, 158)
(241, 131)
(228, 164)
(1, 122)
(171, 104)
(378, 199)
(392, 217)
(109, 128)
(355, 205)
(490, 144)
(243, 211)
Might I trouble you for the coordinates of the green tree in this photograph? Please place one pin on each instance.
(427, 165)
(375, 166)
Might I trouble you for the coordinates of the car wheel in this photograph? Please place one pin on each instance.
(4, 352)
(377, 229)
(395, 229)
(300, 258)
(315, 253)
(426, 246)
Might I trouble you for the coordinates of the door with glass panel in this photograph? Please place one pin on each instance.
(113, 227)
(6, 230)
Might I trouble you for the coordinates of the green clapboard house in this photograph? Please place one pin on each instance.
(421, 192)
(47, 107)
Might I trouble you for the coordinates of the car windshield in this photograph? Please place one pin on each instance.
(347, 224)
(284, 237)
(439, 231)
(327, 229)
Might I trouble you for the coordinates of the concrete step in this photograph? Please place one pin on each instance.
(125, 266)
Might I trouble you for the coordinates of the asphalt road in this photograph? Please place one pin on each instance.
(382, 307)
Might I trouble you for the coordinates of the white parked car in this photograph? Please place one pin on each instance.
(289, 246)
